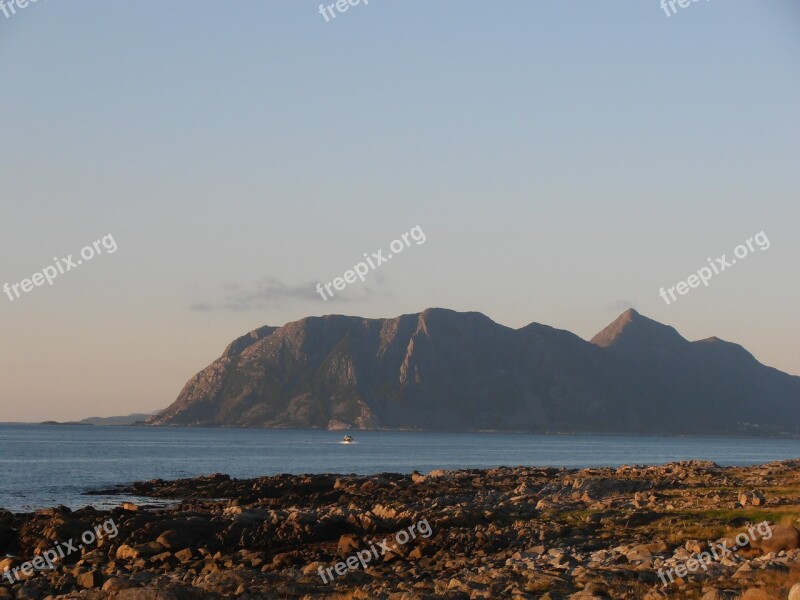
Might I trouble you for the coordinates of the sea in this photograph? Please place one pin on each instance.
(49, 465)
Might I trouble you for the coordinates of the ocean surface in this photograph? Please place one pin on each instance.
(48, 465)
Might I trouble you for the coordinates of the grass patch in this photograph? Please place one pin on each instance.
(712, 524)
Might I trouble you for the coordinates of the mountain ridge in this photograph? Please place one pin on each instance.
(445, 370)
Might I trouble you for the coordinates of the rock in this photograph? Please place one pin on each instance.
(784, 537)
(658, 547)
(115, 584)
(140, 550)
(794, 593)
(720, 595)
(33, 589)
(314, 567)
(348, 544)
(148, 593)
(525, 489)
(246, 515)
(285, 559)
(174, 540)
(396, 550)
(89, 579)
(757, 594)
(6, 530)
(753, 498)
(126, 552)
(267, 537)
(8, 563)
(184, 555)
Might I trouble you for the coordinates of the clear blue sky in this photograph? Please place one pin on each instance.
(564, 159)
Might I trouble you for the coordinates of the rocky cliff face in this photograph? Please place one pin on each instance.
(443, 370)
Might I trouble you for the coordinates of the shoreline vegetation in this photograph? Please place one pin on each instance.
(512, 532)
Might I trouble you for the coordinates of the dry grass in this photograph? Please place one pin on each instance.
(711, 524)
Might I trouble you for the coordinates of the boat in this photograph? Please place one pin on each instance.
(347, 440)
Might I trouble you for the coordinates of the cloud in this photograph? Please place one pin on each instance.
(621, 305)
(271, 292)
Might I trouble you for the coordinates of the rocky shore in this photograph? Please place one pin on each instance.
(515, 533)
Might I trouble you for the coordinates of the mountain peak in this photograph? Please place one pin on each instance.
(630, 314)
(449, 315)
(241, 344)
(633, 331)
(726, 350)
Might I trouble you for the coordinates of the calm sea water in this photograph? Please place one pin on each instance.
(47, 465)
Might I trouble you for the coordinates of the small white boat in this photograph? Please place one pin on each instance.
(347, 440)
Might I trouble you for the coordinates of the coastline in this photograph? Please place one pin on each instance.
(749, 435)
(522, 532)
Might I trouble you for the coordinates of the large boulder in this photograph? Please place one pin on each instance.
(7, 538)
(754, 498)
(784, 537)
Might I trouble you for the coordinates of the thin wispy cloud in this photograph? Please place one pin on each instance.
(271, 292)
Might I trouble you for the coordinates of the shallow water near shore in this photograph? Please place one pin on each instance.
(47, 465)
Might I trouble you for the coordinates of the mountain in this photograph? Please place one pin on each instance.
(133, 419)
(124, 420)
(444, 370)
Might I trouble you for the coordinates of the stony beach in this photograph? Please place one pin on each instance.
(509, 532)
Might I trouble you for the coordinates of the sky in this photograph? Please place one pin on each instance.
(564, 160)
